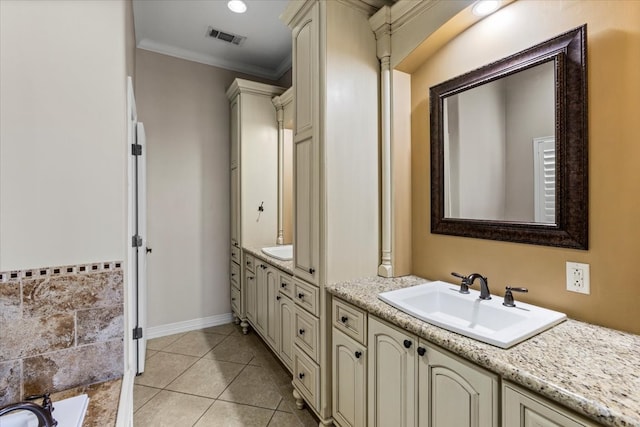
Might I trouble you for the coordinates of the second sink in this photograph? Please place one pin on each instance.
(283, 252)
(440, 304)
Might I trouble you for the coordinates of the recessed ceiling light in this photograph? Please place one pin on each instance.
(485, 7)
(237, 6)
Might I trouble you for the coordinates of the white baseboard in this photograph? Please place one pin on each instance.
(187, 325)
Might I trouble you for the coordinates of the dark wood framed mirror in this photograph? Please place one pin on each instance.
(509, 148)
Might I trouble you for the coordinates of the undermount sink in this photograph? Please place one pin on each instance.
(440, 304)
(68, 412)
(282, 252)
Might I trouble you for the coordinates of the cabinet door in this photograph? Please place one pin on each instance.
(521, 408)
(261, 298)
(235, 207)
(287, 333)
(272, 329)
(392, 388)
(305, 71)
(235, 131)
(349, 381)
(455, 393)
(306, 249)
(250, 288)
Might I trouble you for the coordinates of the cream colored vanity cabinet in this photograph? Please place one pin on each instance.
(522, 408)
(285, 319)
(393, 376)
(413, 383)
(349, 365)
(254, 173)
(335, 172)
(272, 329)
(250, 294)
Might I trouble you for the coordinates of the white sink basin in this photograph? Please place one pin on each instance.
(440, 304)
(68, 412)
(283, 252)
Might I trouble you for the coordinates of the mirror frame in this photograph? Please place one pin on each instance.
(568, 51)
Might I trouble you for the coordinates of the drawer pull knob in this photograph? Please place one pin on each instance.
(250, 277)
(301, 331)
(344, 319)
(233, 299)
(301, 295)
(248, 262)
(358, 354)
(407, 343)
(312, 270)
(277, 297)
(301, 375)
(422, 351)
(283, 285)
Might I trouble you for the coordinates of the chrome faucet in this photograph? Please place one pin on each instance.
(484, 285)
(43, 413)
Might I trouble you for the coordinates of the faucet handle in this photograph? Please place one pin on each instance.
(464, 283)
(508, 296)
(46, 400)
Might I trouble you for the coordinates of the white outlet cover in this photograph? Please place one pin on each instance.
(585, 288)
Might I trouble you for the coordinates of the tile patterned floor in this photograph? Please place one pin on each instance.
(215, 377)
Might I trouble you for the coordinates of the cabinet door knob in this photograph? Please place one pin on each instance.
(407, 343)
(283, 285)
(301, 331)
(312, 270)
(277, 297)
(301, 295)
(344, 319)
(301, 375)
(422, 351)
(248, 262)
(358, 354)
(233, 299)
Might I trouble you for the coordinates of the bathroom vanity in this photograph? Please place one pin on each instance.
(401, 368)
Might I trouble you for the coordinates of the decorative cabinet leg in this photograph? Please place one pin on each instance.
(325, 423)
(245, 327)
(236, 319)
(299, 399)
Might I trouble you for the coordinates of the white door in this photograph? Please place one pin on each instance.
(139, 244)
(544, 180)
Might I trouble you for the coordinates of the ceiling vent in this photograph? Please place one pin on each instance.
(225, 36)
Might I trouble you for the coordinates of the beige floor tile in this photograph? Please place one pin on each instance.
(163, 368)
(171, 410)
(284, 406)
(149, 353)
(235, 348)
(142, 394)
(284, 419)
(162, 342)
(227, 414)
(208, 378)
(226, 329)
(253, 386)
(195, 343)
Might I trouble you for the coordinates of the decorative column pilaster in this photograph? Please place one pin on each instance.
(277, 102)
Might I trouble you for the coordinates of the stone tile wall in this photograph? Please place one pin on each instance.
(60, 327)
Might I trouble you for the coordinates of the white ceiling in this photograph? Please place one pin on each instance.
(179, 28)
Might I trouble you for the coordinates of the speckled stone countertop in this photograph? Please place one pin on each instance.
(286, 266)
(103, 402)
(590, 369)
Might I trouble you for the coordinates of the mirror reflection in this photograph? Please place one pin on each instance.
(499, 149)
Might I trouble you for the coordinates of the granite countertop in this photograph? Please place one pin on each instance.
(590, 369)
(286, 266)
(103, 402)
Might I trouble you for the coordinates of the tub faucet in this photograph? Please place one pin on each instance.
(43, 413)
(484, 285)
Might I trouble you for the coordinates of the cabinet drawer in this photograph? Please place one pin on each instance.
(306, 296)
(350, 320)
(306, 377)
(235, 254)
(234, 274)
(250, 262)
(286, 285)
(307, 330)
(235, 299)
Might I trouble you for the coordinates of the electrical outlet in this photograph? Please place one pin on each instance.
(578, 277)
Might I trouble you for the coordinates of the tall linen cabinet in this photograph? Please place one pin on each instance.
(336, 201)
(254, 179)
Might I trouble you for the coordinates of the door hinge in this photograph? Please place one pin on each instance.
(137, 333)
(136, 241)
(136, 149)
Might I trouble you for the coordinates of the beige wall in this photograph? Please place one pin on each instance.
(186, 116)
(614, 206)
(62, 132)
